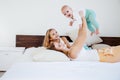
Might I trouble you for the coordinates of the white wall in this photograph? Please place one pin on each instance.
(36, 16)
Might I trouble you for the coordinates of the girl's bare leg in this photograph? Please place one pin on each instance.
(110, 56)
(80, 40)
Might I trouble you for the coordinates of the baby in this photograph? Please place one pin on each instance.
(92, 24)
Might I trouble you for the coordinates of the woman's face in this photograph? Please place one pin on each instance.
(54, 35)
(67, 12)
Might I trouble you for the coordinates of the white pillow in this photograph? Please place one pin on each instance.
(94, 39)
(50, 55)
(42, 54)
(32, 50)
(100, 46)
(90, 39)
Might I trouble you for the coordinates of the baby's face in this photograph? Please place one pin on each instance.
(67, 12)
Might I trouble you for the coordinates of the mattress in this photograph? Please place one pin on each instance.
(72, 70)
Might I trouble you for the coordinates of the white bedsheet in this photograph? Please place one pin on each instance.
(9, 56)
(72, 70)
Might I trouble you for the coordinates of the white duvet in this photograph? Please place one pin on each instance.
(72, 70)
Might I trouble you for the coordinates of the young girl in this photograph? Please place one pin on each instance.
(75, 17)
(53, 36)
(76, 51)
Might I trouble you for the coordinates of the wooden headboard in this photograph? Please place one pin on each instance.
(112, 41)
(31, 40)
(37, 40)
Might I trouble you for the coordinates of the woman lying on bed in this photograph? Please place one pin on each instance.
(76, 51)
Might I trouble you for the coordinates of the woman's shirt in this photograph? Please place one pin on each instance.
(63, 43)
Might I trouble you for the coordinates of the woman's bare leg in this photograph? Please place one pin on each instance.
(80, 40)
(110, 56)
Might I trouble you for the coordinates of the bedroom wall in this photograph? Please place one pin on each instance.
(34, 17)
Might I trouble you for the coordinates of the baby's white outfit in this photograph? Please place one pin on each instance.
(77, 18)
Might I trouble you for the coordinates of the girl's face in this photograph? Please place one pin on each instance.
(67, 12)
(54, 35)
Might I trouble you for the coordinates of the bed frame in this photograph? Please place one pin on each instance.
(31, 40)
(37, 40)
(113, 41)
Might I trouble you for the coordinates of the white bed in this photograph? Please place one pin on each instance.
(72, 70)
(42, 64)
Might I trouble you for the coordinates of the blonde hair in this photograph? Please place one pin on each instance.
(46, 42)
